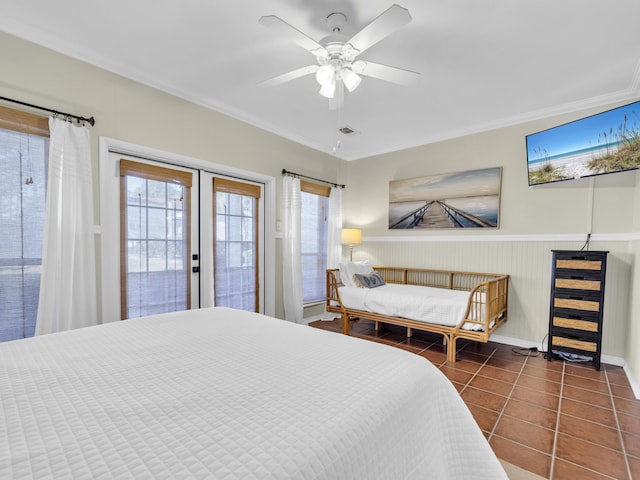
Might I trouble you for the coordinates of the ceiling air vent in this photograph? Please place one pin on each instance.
(348, 131)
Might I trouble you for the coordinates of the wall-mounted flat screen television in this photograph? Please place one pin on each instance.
(607, 142)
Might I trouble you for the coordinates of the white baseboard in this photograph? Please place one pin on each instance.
(516, 342)
(313, 318)
(634, 385)
(610, 359)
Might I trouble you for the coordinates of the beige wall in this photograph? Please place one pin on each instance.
(533, 221)
(633, 330)
(127, 111)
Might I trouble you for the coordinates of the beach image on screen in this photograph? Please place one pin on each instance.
(604, 143)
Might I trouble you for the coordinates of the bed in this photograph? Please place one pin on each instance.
(454, 304)
(225, 394)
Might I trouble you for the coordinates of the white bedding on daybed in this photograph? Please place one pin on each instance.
(224, 394)
(441, 306)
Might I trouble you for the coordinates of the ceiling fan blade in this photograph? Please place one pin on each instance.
(292, 75)
(283, 29)
(388, 22)
(386, 73)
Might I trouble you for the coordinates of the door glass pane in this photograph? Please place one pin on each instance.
(23, 160)
(236, 265)
(313, 246)
(157, 248)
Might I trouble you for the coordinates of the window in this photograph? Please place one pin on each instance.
(24, 152)
(236, 244)
(155, 239)
(314, 211)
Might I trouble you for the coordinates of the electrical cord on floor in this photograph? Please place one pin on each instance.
(525, 352)
(543, 344)
(568, 357)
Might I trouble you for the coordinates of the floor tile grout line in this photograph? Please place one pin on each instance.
(549, 455)
(615, 414)
(519, 443)
(475, 374)
(589, 390)
(513, 387)
(614, 450)
(592, 422)
(527, 422)
(555, 436)
(583, 467)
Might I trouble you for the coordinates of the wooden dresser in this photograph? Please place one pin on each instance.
(577, 300)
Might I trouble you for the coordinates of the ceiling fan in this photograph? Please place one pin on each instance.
(336, 54)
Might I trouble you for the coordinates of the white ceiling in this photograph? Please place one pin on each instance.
(483, 64)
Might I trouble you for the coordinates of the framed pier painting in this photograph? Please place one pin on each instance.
(468, 199)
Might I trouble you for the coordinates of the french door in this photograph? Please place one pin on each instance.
(155, 239)
(188, 238)
(236, 244)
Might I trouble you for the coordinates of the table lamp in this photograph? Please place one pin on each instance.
(351, 237)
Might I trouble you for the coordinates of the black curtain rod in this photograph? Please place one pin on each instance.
(285, 172)
(91, 121)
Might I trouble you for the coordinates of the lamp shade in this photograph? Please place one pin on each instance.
(351, 236)
(328, 90)
(351, 79)
(326, 74)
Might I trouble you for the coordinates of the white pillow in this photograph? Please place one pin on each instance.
(349, 269)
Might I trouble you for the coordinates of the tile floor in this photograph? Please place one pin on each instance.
(556, 419)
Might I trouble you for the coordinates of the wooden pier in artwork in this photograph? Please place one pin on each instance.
(437, 214)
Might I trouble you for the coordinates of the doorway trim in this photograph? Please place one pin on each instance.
(109, 217)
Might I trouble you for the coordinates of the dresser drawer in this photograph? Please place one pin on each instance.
(583, 345)
(584, 324)
(588, 256)
(586, 300)
(576, 333)
(572, 275)
(581, 284)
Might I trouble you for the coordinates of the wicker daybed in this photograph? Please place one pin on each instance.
(486, 303)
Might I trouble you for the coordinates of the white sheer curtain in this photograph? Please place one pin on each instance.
(291, 250)
(68, 282)
(334, 229)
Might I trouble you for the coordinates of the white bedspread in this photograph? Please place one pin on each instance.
(441, 306)
(223, 394)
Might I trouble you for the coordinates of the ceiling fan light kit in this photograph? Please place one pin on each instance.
(350, 79)
(326, 74)
(336, 67)
(328, 90)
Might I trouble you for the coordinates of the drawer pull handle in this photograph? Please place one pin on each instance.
(577, 277)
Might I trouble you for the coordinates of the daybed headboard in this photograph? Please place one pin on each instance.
(434, 278)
